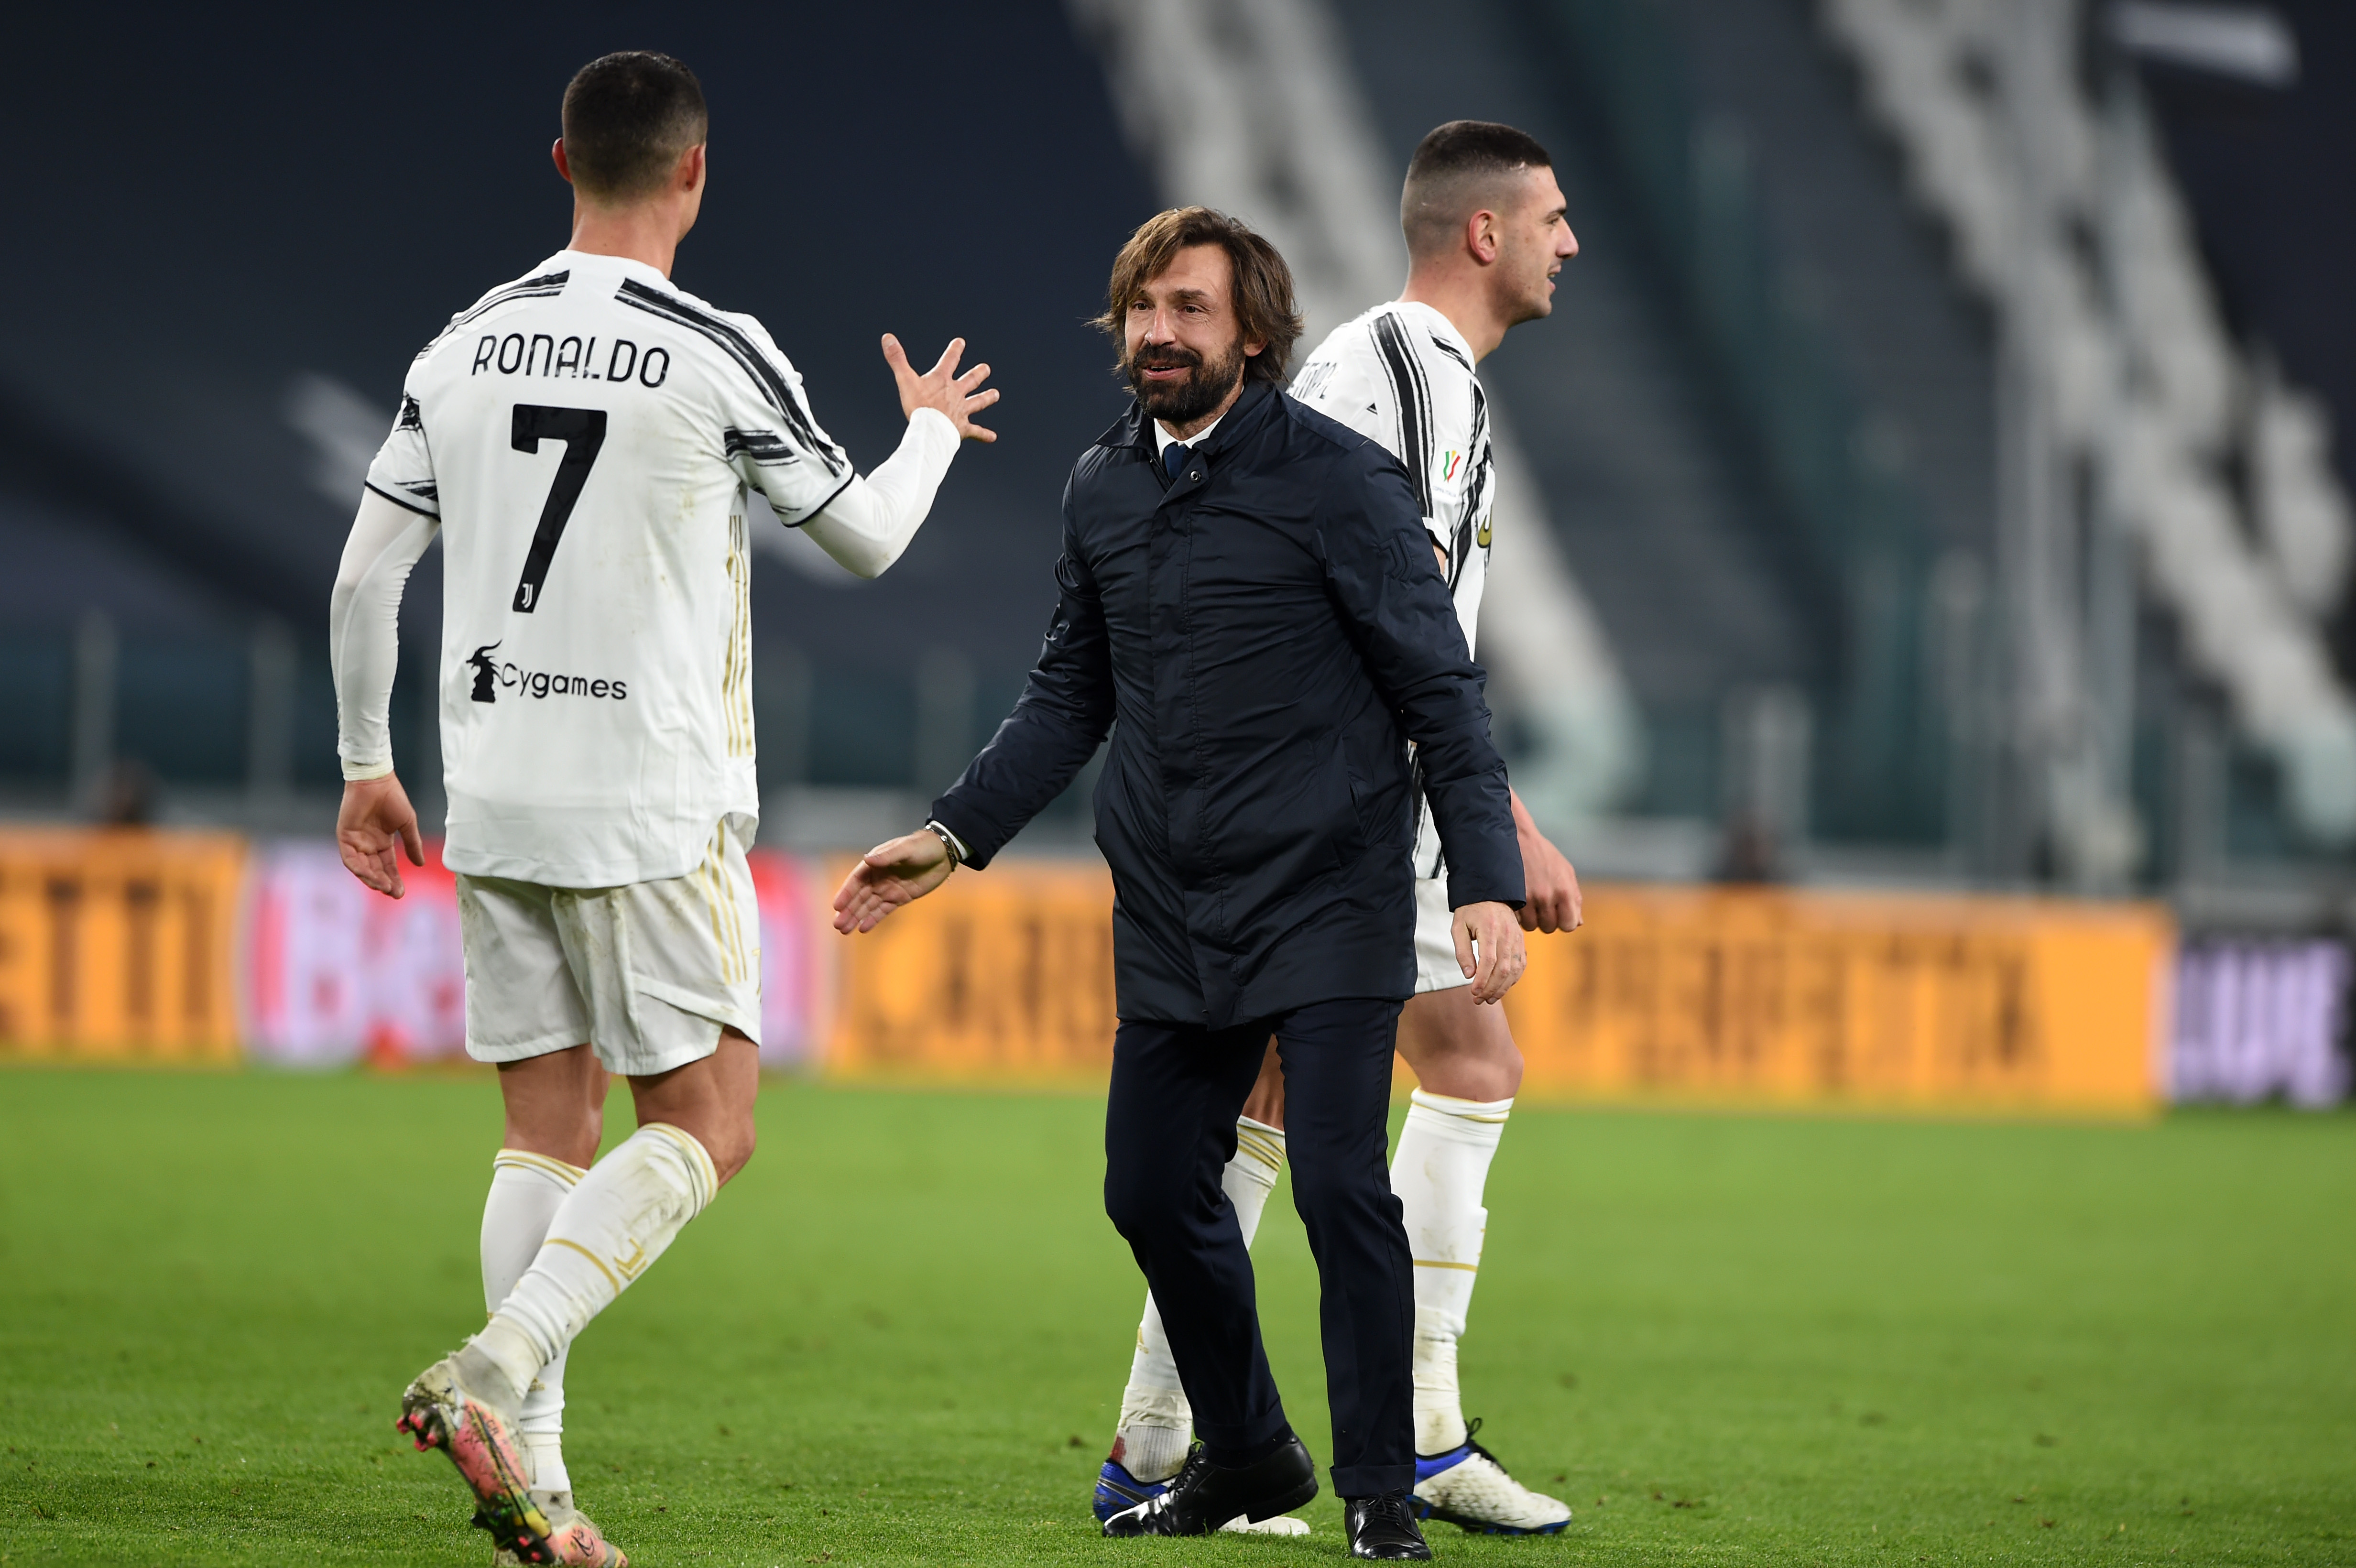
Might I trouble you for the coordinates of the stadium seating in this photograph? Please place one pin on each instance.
(180, 444)
(2142, 373)
(1756, 444)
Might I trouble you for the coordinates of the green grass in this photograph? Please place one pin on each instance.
(900, 1337)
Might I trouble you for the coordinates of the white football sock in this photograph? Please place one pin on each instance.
(526, 1191)
(1439, 1172)
(1156, 1423)
(606, 1232)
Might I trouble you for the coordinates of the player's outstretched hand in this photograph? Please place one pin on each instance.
(900, 871)
(375, 816)
(1552, 899)
(1551, 887)
(942, 388)
(1488, 933)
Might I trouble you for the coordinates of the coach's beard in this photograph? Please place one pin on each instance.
(1182, 402)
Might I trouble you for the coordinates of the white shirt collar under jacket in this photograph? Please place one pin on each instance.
(1163, 441)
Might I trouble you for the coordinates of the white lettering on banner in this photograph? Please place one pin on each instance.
(795, 969)
(333, 973)
(2257, 1020)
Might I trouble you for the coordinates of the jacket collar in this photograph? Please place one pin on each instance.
(1131, 429)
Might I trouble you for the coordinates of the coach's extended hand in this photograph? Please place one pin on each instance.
(1493, 932)
(942, 388)
(900, 871)
(376, 814)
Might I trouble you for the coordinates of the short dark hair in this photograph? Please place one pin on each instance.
(1265, 308)
(628, 117)
(1454, 168)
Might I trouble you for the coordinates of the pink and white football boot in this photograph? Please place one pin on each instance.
(573, 1536)
(454, 1406)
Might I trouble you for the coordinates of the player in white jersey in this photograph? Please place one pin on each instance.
(1486, 232)
(589, 442)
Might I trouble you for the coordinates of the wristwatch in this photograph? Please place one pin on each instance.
(949, 842)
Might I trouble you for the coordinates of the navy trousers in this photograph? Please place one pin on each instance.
(1169, 1130)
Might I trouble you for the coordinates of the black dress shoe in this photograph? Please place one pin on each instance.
(1381, 1528)
(1205, 1495)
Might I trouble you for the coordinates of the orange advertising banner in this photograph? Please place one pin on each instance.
(126, 945)
(1817, 998)
(1001, 975)
(119, 945)
(1799, 997)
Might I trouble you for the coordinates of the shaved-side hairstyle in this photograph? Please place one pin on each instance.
(1264, 305)
(1457, 170)
(628, 118)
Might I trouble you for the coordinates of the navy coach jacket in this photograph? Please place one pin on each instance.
(1262, 635)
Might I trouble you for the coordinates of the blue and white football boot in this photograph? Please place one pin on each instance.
(1466, 1486)
(1118, 1491)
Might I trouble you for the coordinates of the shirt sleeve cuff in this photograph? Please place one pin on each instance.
(1462, 893)
(355, 772)
(940, 429)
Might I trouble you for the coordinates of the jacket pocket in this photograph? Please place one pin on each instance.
(1361, 806)
(1287, 824)
(1385, 811)
(1338, 826)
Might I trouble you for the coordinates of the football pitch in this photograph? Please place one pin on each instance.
(901, 1335)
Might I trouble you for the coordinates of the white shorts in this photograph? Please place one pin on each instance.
(1435, 942)
(648, 973)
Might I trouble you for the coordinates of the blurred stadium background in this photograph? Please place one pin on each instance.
(1922, 613)
(1926, 483)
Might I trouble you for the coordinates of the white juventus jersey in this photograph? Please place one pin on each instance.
(1402, 375)
(587, 436)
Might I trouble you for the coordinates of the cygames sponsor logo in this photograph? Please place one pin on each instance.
(493, 676)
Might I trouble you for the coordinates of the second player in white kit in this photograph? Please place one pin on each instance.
(1486, 228)
(1402, 375)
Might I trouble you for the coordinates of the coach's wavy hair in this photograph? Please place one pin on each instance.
(1265, 308)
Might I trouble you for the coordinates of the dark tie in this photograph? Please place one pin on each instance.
(1175, 456)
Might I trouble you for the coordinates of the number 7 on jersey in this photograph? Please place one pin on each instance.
(583, 432)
